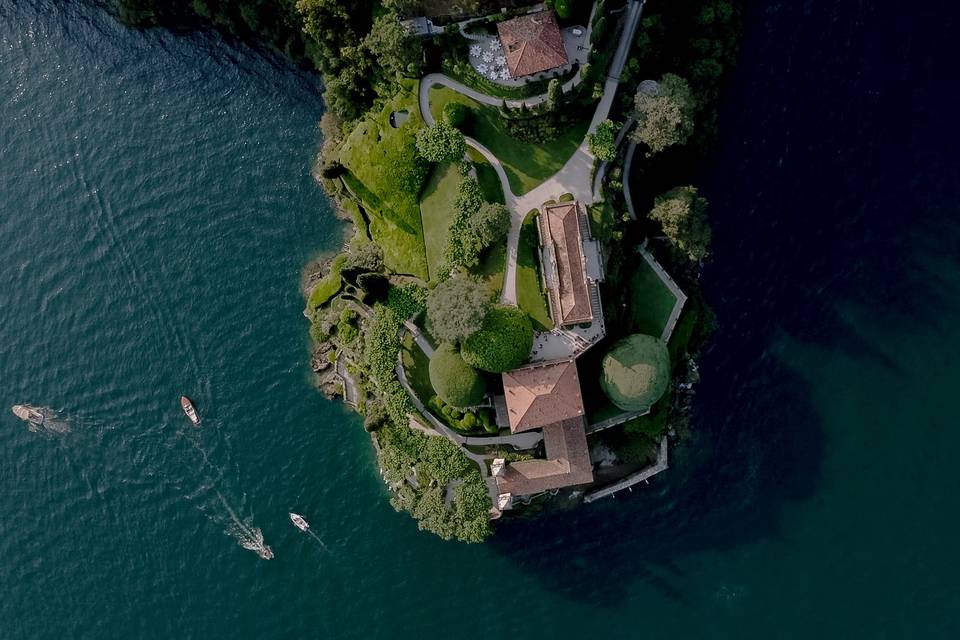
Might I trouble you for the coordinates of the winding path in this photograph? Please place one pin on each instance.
(574, 177)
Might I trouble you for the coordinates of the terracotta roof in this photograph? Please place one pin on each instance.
(532, 43)
(542, 395)
(567, 464)
(561, 224)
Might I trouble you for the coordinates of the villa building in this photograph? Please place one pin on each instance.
(571, 264)
(532, 43)
(548, 397)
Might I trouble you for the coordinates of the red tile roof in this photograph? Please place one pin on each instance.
(532, 43)
(567, 464)
(542, 395)
(561, 224)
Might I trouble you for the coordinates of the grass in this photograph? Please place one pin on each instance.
(527, 164)
(416, 364)
(651, 302)
(530, 294)
(487, 177)
(386, 175)
(603, 220)
(328, 286)
(491, 269)
(436, 212)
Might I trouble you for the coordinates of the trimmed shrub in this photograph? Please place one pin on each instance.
(636, 372)
(456, 382)
(502, 343)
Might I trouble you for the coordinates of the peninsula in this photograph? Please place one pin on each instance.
(517, 312)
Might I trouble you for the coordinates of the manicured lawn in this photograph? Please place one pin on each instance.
(530, 295)
(491, 268)
(650, 301)
(527, 164)
(387, 176)
(436, 211)
(416, 364)
(487, 177)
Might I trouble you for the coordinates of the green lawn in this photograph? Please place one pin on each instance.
(416, 364)
(436, 211)
(493, 262)
(650, 301)
(530, 295)
(387, 176)
(526, 164)
(487, 177)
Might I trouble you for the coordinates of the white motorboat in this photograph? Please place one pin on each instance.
(299, 522)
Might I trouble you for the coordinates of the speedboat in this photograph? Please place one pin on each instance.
(299, 522)
(188, 409)
(28, 414)
(265, 552)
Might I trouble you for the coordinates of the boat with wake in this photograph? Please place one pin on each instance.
(189, 409)
(29, 414)
(40, 419)
(299, 522)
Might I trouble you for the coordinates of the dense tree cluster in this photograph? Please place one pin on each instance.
(476, 225)
(683, 215)
(441, 143)
(456, 308)
(603, 140)
(502, 343)
(665, 115)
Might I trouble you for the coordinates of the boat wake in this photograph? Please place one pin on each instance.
(247, 535)
(41, 420)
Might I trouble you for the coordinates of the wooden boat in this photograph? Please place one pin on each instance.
(299, 522)
(188, 409)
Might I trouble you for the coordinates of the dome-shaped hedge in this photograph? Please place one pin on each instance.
(636, 372)
(503, 343)
(456, 382)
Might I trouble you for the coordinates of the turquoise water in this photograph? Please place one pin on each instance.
(156, 212)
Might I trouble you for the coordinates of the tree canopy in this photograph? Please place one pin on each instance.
(456, 382)
(503, 343)
(441, 143)
(683, 215)
(636, 372)
(665, 117)
(397, 51)
(476, 225)
(456, 308)
(603, 140)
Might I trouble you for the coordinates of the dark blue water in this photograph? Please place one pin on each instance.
(156, 209)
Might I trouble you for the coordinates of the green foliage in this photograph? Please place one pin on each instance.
(397, 52)
(407, 300)
(664, 119)
(476, 225)
(456, 382)
(387, 175)
(683, 215)
(436, 204)
(503, 343)
(438, 463)
(381, 344)
(441, 143)
(530, 294)
(554, 95)
(346, 328)
(636, 372)
(456, 115)
(456, 308)
(328, 286)
(603, 140)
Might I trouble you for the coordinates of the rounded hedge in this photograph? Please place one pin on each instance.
(636, 372)
(455, 381)
(503, 343)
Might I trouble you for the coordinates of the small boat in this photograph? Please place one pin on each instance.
(188, 409)
(265, 552)
(28, 414)
(299, 522)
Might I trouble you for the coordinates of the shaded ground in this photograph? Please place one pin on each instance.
(530, 295)
(436, 212)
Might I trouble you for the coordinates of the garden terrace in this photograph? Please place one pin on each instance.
(526, 164)
(436, 205)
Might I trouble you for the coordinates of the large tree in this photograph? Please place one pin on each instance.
(457, 307)
(456, 382)
(603, 141)
(476, 225)
(329, 27)
(398, 52)
(683, 215)
(665, 115)
(441, 143)
(504, 342)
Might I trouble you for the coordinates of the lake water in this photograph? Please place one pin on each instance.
(156, 209)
